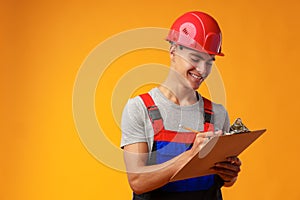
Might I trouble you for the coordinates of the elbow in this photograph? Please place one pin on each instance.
(136, 185)
(137, 190)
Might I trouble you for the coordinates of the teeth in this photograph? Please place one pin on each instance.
(195, 76)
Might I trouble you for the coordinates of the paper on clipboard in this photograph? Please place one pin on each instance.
(216, 150)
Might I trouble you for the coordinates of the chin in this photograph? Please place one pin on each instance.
(195, 87)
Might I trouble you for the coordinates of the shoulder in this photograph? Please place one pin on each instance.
(218, 107)
(137, 104)
(222, 121)
(220, 111)
(134, 105)
(137, 100)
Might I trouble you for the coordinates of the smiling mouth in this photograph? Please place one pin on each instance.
(196, 76)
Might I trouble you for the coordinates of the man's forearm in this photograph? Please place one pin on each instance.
(147, 178)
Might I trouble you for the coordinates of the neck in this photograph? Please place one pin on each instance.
(177, 92)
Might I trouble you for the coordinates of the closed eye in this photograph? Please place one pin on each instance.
(195, 60)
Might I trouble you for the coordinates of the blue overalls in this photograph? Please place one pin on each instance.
(168, 144)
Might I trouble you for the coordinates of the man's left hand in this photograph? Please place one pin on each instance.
(228, 170)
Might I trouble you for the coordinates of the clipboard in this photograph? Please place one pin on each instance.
(216, 150)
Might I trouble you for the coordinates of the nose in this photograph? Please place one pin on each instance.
(201, 67)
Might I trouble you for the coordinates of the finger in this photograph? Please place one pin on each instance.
(199, 142)
(218, 133)
(224, 176)
(200, 139)
(234, 160)
(225, 172)
(228, 166)
(205, 134)
(227, 178)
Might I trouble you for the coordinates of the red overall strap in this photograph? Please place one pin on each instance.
(208, 115)
(153, 113)
(157, 121)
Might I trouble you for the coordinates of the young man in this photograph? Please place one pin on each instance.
(154, 141)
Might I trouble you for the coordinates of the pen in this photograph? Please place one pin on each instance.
(189, 129)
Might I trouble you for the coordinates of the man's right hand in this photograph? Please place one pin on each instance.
(202, 138)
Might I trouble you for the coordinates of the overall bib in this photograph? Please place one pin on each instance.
(168, 144)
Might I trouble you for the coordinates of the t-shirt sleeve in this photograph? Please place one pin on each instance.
(133, 122)
(221, 118)
(226, 126)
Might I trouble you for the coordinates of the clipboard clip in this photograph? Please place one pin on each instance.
(238, 127)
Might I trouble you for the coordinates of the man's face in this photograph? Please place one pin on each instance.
(192, 65)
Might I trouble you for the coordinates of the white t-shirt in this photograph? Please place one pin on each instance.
(136, 125)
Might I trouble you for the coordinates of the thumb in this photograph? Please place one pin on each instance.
(218, 133)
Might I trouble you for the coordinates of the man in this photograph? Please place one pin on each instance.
(154, 141)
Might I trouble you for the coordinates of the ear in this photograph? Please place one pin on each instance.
(172, 51)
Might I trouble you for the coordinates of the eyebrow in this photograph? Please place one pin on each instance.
(212, 58)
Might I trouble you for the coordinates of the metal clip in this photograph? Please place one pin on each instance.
(238, 127)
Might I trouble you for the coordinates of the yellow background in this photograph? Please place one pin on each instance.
(43, 44)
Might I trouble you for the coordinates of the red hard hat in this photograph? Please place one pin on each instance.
(198, 31)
